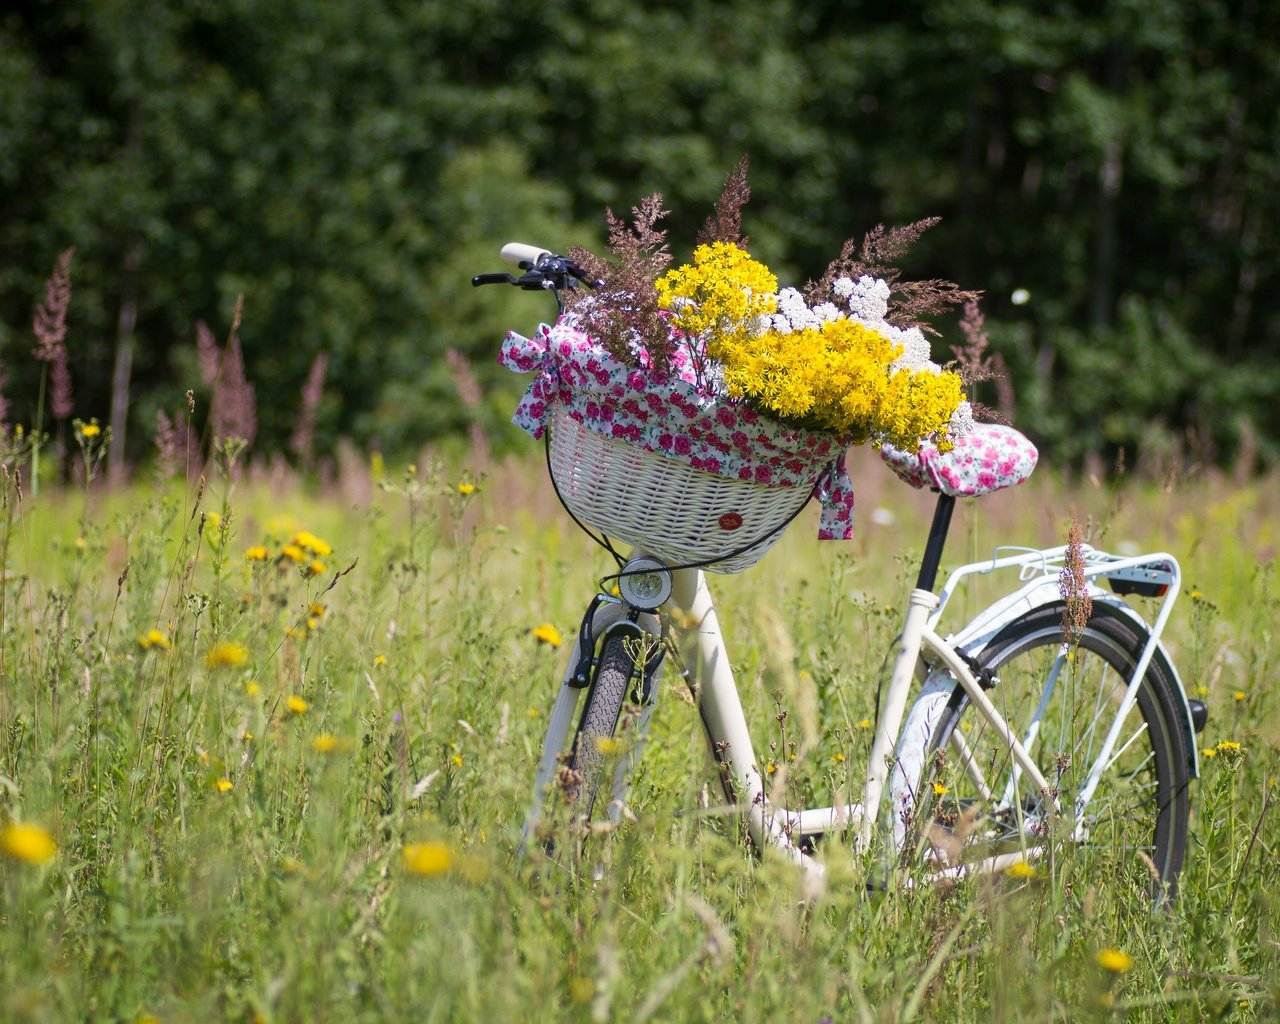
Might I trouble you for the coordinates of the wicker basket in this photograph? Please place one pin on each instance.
(671, 510)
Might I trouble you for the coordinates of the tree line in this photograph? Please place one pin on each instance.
(1105, 172)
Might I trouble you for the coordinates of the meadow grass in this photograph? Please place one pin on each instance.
(282, 737)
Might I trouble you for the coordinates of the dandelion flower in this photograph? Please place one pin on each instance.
(296, 704)
(309, 541)
(379, 661)
(224, 785)
(1238, 696)
(225, 654)
(1021, 869)
(427, 860)
(257, 553)
(153, 638)
(548, 634)
(465, 488)
(1114, 960)
(28, 843)
(839, 758)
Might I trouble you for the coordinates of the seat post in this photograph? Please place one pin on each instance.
(937, 541)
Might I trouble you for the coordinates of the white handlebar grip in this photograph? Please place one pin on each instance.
(518, 252)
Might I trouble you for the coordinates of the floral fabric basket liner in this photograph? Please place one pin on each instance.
(672, 417)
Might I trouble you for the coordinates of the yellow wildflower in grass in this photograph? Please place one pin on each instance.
(89, 430)
(865, 724)
(1208, 752)
(293, 553)
(296, 704)
(317, 610)
(427, 860)
(940, 790)
(608, 745)
(1114, 960)
(252, 689)
(1021, 869)
(547, 634)
(309, 541)
(28, 843)
(316, 567)
(224, 785)
(465, 488)
(1238, 696)
(225, 654)
(839, 758)
(379, 661)
(456, 760)
(153, 638)
(326, 743)
(313, 623)
(257, 553)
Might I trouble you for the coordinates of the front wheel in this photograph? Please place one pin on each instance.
(1061, 700)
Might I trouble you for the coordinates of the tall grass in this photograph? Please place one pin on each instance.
(286, 784)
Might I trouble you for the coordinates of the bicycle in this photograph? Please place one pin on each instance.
(1024, 730)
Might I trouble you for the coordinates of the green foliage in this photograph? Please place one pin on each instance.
(348, 168)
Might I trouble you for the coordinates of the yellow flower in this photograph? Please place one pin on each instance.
(456, 760)
(252, 689)
(427, 859)
(465, 488)
(326, 743)
(1239, 695)
(839, 758)
(225, 654)
(940, 790)
(1208, 752)
(28, 843)
(293, 553)
(1114, 960)
(90, 430)
(296, 704)
(1228, 747)
(317, 610)
(1021, 869)
(308, 540)
(607, 745)
(865, 724)
(548, 634)
(316, 567)
(224, 785)
(379, 660)
(215, 520)
(153, 638)
(257, 553)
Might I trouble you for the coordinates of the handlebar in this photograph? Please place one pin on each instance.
(543, 271)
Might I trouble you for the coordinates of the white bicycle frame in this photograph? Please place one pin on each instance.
(921, 653)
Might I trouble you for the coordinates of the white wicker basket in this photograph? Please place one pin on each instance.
(671, 510)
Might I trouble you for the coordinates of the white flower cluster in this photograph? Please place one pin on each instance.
(794, 314)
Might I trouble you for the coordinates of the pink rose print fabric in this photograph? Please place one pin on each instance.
(989, 457)
(671, 416)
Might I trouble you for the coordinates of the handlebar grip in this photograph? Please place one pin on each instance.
(519, 253)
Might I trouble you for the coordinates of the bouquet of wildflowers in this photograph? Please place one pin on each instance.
(841, 357)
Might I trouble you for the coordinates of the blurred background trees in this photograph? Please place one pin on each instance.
(1106, 171)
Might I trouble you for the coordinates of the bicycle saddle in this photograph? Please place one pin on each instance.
(988, 458)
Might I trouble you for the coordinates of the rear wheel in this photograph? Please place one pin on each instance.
(1061, 701)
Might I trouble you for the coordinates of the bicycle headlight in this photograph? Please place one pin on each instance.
(645, 583)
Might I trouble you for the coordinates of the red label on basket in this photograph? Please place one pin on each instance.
(730, 521)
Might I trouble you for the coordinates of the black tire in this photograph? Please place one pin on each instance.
(1140, 803)
(600, 713)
